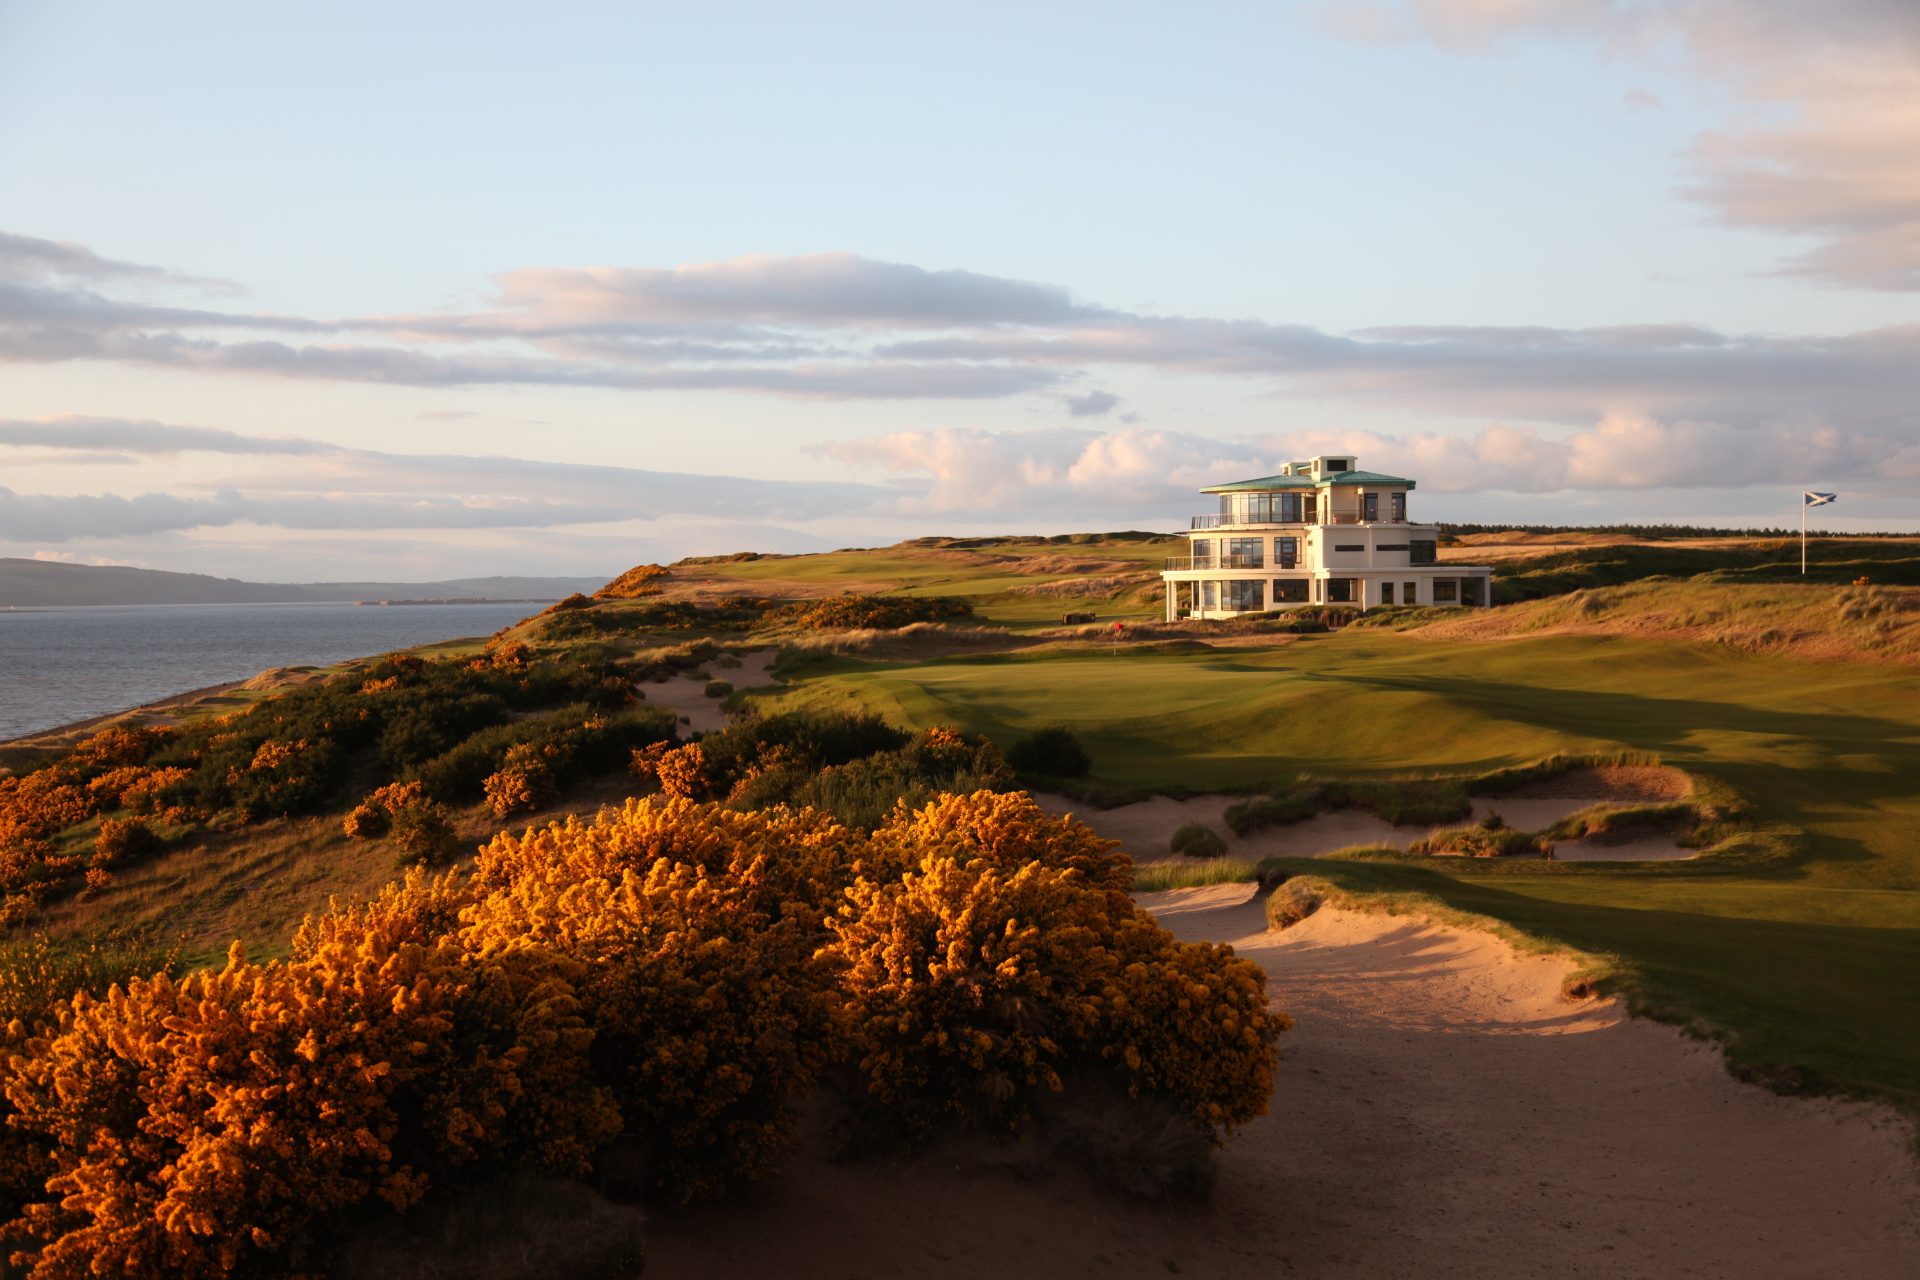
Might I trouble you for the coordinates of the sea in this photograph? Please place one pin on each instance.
(59, 665)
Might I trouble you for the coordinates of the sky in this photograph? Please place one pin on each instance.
(291, 292)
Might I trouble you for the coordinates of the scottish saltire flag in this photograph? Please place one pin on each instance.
(1813, 499)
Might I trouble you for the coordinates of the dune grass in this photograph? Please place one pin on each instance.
(1801, 960)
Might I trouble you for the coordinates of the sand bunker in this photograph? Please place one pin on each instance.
(1145, 828)
(1439, 1111)
(687, 697)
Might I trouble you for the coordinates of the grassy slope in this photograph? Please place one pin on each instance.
(1811, 965)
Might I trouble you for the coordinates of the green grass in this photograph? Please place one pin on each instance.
(1805, 965)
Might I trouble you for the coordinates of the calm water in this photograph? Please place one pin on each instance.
(61, 665)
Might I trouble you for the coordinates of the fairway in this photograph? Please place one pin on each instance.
(1808, 971)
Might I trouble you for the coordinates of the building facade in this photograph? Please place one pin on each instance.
(1320, 532)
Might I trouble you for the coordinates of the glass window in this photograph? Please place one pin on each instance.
(1340, 590)
(1289, 590)
(1245, 553)
(1287, 552)
(1408, 594)
(1349, 546)
(1203, 553)
(1310, 508)
(1369, 507)
(1209, 595)
(1288, 511)
(1423, 553)
(1245, 596)
(1399, 506)
(1445, 590)
(1386, 593)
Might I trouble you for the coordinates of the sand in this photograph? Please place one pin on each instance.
(1146, 827)
(1440, 1111)
(687, 697)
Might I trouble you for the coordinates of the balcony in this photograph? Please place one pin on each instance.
(1333, 517)
(1183, 563)
(1204, 522)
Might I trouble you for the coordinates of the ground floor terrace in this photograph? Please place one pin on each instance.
(1226, 594)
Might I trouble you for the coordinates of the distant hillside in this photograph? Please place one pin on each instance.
(31, 583)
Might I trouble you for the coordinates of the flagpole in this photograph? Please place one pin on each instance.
(1803, 535)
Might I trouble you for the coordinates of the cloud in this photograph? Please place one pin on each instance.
(881, 331)
(1095, 474)
(1839, 169)
(343, 489)
(1092, 404)
(30, 257)
(144, 437)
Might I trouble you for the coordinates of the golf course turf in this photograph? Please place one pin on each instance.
(1806, 967)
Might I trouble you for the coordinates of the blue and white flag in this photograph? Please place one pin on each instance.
(1813, 499)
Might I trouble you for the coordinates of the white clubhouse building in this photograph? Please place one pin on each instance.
(1318, 533)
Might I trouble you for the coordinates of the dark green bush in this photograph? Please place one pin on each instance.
(1050, 752)
(1197, 840)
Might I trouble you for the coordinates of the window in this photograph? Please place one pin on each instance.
(1309, 508)
(1245, 553)
(1340, 590)
(1423, 553)
(1399, 508)
(1349, 546)
(1389, 546)
(1209, 595)
(1203, 553)
(1287, 508)
(1386, 593)
(1286, 552)
(1445, 591)
(1339, 464)
(1244, 596)
(1289, 590)
(1369, 507)
(1409, 594)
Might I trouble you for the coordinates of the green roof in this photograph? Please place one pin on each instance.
(1307, 482)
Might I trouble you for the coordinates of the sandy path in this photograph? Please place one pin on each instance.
(687, 698)
(1439, 1112)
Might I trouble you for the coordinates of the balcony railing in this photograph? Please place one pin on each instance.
(1224, 562)
(1334, 517)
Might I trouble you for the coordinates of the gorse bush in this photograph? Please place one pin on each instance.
(1052, 752)
(668, 981)
(1197, 840)
(869, 613)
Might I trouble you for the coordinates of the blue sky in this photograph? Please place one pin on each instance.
(1557, 258)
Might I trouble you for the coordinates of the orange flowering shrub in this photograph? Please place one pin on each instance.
(522, 784)
(156, 789)
(636, 583)
(1008, 958)
(698, 928)
(202, 1127)
(124, 840)
(683, 772)
(1008, 828)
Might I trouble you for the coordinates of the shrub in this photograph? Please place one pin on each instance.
(979, 988)
(635, 584)
(719, 688)
(1050, 752)
(373, 1063)
(698, 928)
(867, 612)
(423, 832)
(1006, 829)
(1197, 840)
(683, 772)
(866, 793)
(523, 784)
(124, 840)
(1291, 902)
